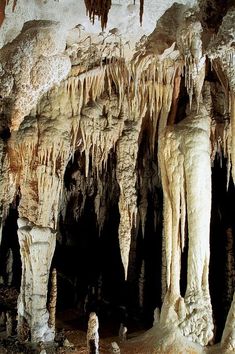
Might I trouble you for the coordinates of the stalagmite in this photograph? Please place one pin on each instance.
(156, 316)
(115, 348)
(122, 332)
(9, 267)
(186, 175)
(92, 334)
(37, 245)
(9, 324)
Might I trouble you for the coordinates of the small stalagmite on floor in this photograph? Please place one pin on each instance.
(93, 334)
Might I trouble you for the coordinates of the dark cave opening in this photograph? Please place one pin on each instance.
(152, 255)
(10, 270)
(9, 244)
(213, 12)
(222, 219)
(88, 262)
(184, 265)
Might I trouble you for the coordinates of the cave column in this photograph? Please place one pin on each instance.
(198, 324)
(171, 165)
(37, 245)
(185, 164)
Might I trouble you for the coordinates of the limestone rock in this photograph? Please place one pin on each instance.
(30, 66)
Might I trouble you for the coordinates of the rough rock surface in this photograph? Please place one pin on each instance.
(29, 66)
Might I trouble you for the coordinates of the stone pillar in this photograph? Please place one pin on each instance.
(37, 245)
(186, 177)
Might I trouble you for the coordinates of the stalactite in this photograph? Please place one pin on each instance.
(190, 44)
(141, 11)
(221, 53)
(101, 126)
(92, 334)
(149, 85)
(52, 300)
(101, 9)
(127, 149)
(98, 8)
(3, 5)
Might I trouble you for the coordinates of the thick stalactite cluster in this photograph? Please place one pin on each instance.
(108, 160)
(100, 9)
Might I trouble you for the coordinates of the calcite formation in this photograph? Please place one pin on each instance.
(82, 123)
(184, 149)
(37, 247)
(93, 334)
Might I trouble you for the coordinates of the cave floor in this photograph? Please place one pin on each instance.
(71, 338)
(76, 343)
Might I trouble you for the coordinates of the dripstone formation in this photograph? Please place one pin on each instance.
(111, 143)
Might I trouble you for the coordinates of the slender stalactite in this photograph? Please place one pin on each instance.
(141, 11)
